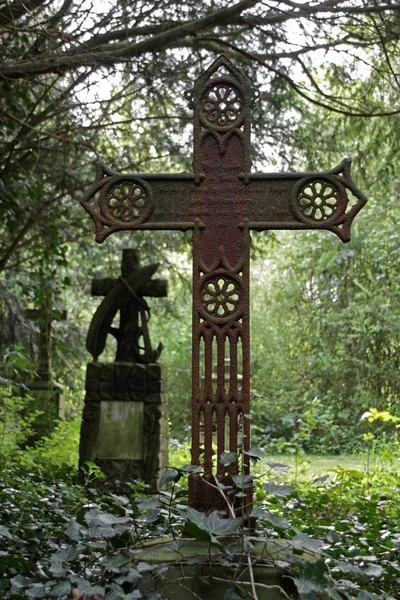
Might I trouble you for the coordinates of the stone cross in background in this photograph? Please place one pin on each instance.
(47, 393)
(126, 295)
(125, 420)
(221, 202)
(44, 316)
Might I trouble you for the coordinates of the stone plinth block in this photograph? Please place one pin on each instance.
(49, 402)
(125, 423)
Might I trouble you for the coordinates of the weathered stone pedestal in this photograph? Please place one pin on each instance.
(125, 425)
(195, 570)
(49, 400)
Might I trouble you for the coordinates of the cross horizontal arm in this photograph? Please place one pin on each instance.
(156, 288)
(145, 201)
(315, 200)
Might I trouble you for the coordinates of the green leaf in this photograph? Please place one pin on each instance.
(56, 569)
(36, 590)
(169, 476)
(255, 452)
(63, 588)
(373, 571)
(368, 596)
(213, 524)
(312, 582)
(136, 594)
(96, 518)
(277, 466)
(73, 530)
(346, 567)
(20, 582)
(118, 564)
(303, 542)
(132, 576)
(271, 518)
(117, 589)
(243, 481)
(228, 458)
(148, 503)
(278, 490)
(192, 469)
(67, 554)
(4, 532)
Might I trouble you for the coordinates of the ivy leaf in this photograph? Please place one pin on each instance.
(4, 532)
(170, 475)
(205, 528)
(148, 503)
(74, 530)
(373, 571)
(118, 564)
(20, 582)
(277, 466)
(36, 590)
(132, 576)
(228, 458)
(303, 542)
(312, 582)
(278, 490)
(276, 521)
(57, 569)
(345, 567)
(136, 594)
(85, 587)
(255, 452)
(192, 469)
(95, 518)
(219, 526)
(67, 554)
(143, 567)
(117, 589)
(243, 481)
(63, 588)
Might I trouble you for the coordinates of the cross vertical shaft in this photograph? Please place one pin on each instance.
(221, 320)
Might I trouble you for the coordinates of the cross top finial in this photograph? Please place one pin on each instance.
(222, 100)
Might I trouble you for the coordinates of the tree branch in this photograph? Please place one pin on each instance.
(13, 12)
(120, 52)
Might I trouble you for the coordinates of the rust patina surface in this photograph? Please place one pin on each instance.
(221, 202)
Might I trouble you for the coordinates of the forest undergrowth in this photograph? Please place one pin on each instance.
(336, 535)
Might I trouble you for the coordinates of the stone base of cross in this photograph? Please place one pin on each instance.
(221, 202)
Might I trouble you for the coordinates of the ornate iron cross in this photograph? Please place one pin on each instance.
(221, 202)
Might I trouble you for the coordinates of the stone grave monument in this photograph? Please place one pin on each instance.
(125, 425)
(47, 393)
(221, 202)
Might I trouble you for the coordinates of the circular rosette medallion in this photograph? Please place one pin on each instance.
(222, 105)
(220, 297)
(319, 200)
(127, 201)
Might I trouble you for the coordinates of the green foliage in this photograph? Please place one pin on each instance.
(15, 424)
(57, 536)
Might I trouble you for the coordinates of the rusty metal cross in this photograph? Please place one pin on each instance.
(221, 202)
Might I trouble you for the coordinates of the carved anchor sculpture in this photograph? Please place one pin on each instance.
(126, 294)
